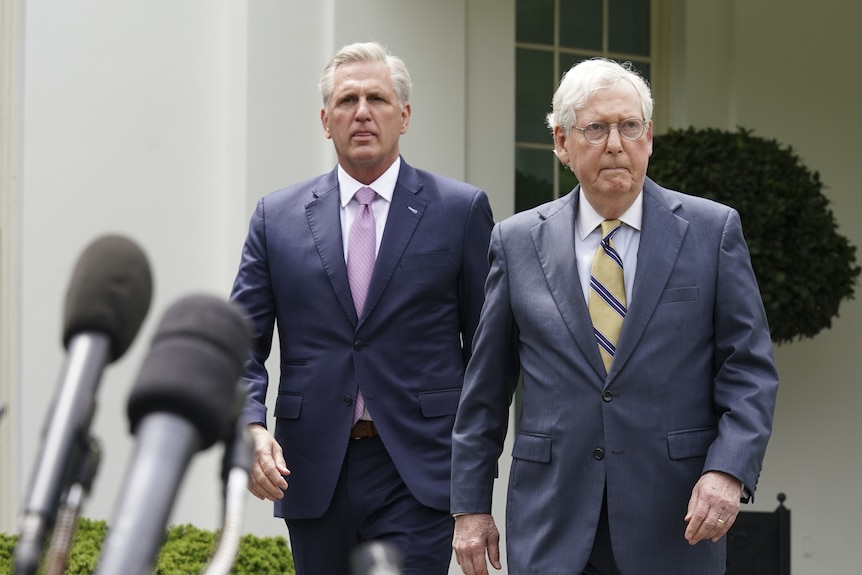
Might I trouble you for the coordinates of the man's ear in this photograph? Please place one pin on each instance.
(560, 140)
(324, 121)
(405, 117)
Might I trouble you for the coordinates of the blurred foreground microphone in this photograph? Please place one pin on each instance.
(182, 402)
(106, 302)
(375, 558)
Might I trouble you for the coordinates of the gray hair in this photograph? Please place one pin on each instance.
(367, 52)
(584, 79)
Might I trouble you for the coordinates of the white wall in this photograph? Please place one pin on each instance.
(781, 68)
(10, 100)
(128, 127)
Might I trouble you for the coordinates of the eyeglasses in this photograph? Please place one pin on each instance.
(598, 132)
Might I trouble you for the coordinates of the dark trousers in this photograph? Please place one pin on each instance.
(602, 557)
(372, 503)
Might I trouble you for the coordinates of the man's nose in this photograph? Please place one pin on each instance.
(363, 108)
(615, 141)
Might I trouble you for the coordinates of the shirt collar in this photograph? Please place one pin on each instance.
(589, 219)
(384, 185)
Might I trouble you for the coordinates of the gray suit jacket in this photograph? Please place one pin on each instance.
(692, 388)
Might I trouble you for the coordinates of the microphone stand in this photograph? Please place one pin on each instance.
(70, 509)
(228, 543)
(236, 465)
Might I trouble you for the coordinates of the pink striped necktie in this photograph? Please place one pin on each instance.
(361, 253)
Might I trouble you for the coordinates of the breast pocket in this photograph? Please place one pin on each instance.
(680, 295)
(430, 259)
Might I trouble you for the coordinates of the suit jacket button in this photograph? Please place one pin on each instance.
(607, 395)
(348, 400)
(599, 453)
(358, 345)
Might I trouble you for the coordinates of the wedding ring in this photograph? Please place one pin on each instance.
(721, 521)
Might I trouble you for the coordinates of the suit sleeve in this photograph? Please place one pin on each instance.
(483, 413)
(746, 380)
(474, 269)
(253, 292)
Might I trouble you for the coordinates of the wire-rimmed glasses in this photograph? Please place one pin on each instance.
(597, 132)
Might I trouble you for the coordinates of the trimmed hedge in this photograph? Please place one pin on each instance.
(186, 550)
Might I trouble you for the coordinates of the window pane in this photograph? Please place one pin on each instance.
(581, 24)
(629, 26)
(644, 70)
(566, 62)
(569, 60)
(535, 21)
(534, 173)
(533, 92)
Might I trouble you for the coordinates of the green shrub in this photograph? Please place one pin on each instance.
(803, 266)
(186, 550)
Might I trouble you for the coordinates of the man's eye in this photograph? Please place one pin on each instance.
(595, 128)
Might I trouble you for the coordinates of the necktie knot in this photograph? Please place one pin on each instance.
(609, 228)
(365, 196)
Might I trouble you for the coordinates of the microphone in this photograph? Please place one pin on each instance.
(106, 302)
(183, 401)
(375, 558)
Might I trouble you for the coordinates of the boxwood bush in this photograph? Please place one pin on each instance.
(187, 550)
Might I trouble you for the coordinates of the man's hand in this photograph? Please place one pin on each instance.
(713, 507)
(268, 468)
(474, 534)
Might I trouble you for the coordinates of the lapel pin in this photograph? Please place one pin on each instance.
(412, 209)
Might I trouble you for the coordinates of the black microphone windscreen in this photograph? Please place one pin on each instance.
(109, 293)
(193, 367)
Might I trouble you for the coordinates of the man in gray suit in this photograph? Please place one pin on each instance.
(634, 444)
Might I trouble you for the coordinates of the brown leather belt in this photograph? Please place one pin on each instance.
(363, 429)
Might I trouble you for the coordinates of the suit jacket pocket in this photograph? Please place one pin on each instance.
(690, 442)
(439, 403)
(427, 259)
(288, 406)
(679, 295)
(532, 448)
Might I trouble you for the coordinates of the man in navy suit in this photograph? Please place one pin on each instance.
(336, 481)
(632, 459)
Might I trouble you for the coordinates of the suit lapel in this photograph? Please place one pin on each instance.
(661, 237)
(324, 221)
(554, 240)
(405, 211)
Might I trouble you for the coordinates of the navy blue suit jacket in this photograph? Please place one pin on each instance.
(407, 353)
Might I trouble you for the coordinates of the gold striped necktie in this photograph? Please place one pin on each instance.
(607, 299)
